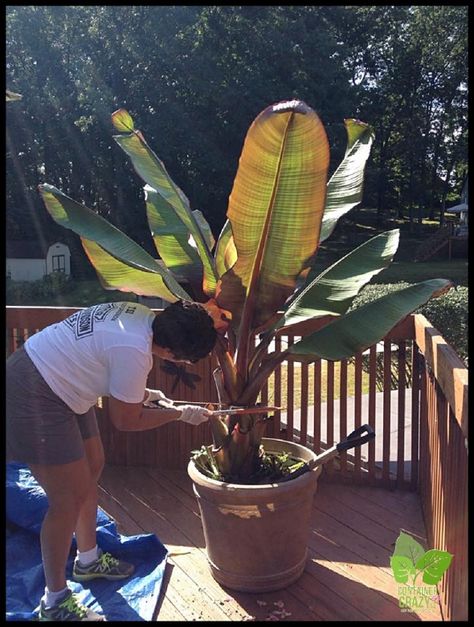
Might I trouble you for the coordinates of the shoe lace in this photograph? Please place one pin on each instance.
(72, 605)
(107, 560)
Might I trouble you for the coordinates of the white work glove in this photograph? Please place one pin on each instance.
(194, 414)
(157, 395)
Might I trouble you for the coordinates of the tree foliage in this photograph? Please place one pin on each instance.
(195, 77)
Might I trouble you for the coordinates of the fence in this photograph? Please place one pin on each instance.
(443, 462)
(411, 388)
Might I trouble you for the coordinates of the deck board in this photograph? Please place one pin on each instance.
(347, 577)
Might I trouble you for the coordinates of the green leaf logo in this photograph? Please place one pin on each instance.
(402, 568)
(434, 564)
(409, 560)
(406, 546)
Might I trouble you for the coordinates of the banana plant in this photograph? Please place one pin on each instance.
(258, 278)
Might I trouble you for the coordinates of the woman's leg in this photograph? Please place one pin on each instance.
(67, 487)
(106, 565)
(85, 530)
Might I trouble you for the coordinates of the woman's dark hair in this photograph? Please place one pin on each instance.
(186, 329)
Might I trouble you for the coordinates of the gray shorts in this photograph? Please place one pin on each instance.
(41, 428)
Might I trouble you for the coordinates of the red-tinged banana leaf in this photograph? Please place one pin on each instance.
(225, 254)
(275, 209)
(344, 189)
(91, 226)
(172, 240)
(152, 171)
(116, 275)
(227, 378)
(368, 324)
(219, 432)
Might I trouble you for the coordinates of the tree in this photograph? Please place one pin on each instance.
(196, 75)
(409, 65)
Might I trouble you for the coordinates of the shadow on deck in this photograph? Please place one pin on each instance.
(347, 577)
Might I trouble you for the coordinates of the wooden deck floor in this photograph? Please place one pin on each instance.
(347, 577)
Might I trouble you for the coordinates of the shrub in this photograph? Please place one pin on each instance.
(36, 292)
(53, 284)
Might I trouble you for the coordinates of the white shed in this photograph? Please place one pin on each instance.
(58, 259)
(32, 260)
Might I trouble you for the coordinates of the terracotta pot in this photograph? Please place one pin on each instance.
(257, 535)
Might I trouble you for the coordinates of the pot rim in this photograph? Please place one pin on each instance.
(197, 476)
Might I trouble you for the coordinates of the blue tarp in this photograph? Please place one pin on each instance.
(132, 599)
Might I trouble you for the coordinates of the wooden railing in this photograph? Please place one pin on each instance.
(319, 406)
(443, 461)
(411, 388)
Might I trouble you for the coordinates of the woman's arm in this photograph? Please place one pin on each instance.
(136, 417)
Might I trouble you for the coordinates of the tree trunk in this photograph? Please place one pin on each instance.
(410, 195)
(445, 193)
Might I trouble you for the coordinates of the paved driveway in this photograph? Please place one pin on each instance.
(365, 419)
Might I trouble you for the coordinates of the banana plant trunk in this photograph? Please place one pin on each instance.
(257, 535)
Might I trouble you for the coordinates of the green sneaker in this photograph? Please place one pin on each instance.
(104, 567)
(68, 609)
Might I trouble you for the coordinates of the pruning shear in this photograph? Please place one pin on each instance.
(232, 411)
(359, 436)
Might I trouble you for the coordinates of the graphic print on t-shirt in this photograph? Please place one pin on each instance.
(82, 322)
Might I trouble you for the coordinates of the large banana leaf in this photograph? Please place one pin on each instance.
(368, 324)
(333, 291)
(91, 226)
(344, 189)
(171, 238)
(116, 275)
(226, 253)
(275, 209)
(153, 172)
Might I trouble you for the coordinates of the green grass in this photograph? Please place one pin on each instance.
(297, 384)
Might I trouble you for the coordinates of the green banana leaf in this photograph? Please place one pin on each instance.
(344, 189)
(368, 324)
(275, 209)
(205, 229)
(91, 226)
(171, 238)
(333, 291)
(225, 254)
(153, 172)
(116, 275)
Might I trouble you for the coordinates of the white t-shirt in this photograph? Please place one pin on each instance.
(104, 350)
